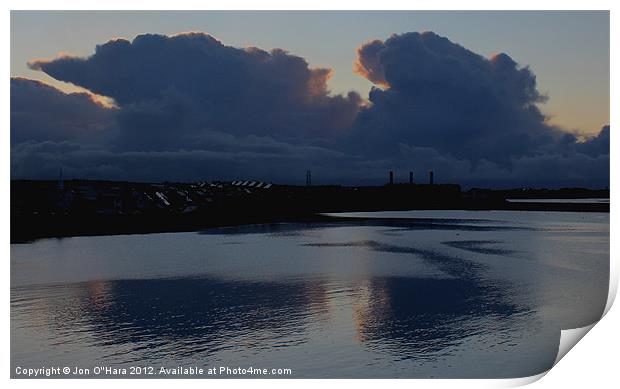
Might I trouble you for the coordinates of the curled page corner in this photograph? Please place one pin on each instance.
(516, 382)
(614, 272)
(569, 338)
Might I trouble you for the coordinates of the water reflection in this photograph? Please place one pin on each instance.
(177, 317)
(416, 317)
(183, 318)
(424, 320)
(394, 298)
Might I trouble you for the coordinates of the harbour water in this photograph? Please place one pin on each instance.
(414, 294)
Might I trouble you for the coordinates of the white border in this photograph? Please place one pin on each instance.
(313, 5)
(594, 361)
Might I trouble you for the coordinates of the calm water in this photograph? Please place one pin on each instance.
(404, 294)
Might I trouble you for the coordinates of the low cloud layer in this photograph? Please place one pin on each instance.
(189, 108)
(40, 112)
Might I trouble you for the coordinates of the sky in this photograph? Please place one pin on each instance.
(568, 51)
(556, 62)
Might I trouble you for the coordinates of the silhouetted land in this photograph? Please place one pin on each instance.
(47, 209)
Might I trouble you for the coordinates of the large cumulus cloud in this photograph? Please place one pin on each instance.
(434, 94)
(441, 95)
(172, 88)
(190, 107)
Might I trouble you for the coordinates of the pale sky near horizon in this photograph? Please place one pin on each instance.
(567, 51)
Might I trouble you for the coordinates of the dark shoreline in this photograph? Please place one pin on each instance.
(42, 209)
(72, 226)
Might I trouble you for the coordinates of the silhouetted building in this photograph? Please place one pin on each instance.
(430, 178)
(308, 178)
(391, 177)
(410, 178)
(61, 183)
